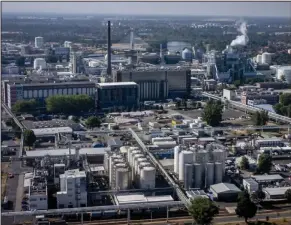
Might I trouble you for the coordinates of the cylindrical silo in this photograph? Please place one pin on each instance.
(148, 178)
(185, 157)
(209, 179)
(112, 161)
(218, 172)
(202, 156)
(198, 172)
(142, 165)
(259, 59)
(134, 162)
(106, 162)
(133, 153)
(137, 163)
(122, 178)
(176, 159)
(188, 182)
(187, 54)
(266, 58)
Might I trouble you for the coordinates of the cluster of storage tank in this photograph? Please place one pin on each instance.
(199, 168)
(265, 58)
(143, 173)
(118, 171)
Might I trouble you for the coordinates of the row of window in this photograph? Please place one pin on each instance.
(43, 93)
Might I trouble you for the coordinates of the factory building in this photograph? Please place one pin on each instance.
(73, 189)
(228, 66)
(40, 91)
(225, 192)
(38, 195)
(199, 168)
(250, 185)
(275, 193)
(38, 42)
(270, 97)
(117, 94)
(157, 83)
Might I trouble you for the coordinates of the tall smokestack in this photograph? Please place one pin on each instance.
(109, 69)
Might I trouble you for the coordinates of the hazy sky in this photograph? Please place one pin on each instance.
(275, 9)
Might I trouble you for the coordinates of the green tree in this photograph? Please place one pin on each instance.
(285, 99)
(244, 163)
(245, 207)
(265, 163)
(202, 210)
(260, 118)
(212, 113)
(76, 119)
(69, 104)
(287, 195)
(92, 122)
(25, 106)
(20, 61)
(258, 196)
(29, 138)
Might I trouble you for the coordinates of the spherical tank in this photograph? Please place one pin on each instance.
(148, 178)
(176, 159)
(259, 59)
(122, 180)
(218, 172)
(188, 182)
(185, 157)
(209, 174)
(266, 58)
(198, 172)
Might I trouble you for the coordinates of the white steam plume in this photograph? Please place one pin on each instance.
(241, 39)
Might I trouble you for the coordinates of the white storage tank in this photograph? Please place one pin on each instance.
(187, 54)
(135, 162)
(259, 59)
(138, 162)
(266, 58)
(106, 162)
(129, 152)
(176, 159)
(39, 63)
(148, 178)
(122, 178)
(198, 172)
(218, 173)
(142, 165)
(188, 182)
(112, 161)
(185, 157)
(132, 154)
(201, 156)
(209, 174)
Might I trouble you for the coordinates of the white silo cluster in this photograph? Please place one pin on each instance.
(195, 167)
(266, 58)
(39, 63)
(143, 173)
(118, 171)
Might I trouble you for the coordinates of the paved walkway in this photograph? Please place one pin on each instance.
(19, 193)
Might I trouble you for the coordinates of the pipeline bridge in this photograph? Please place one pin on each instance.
(239, 105)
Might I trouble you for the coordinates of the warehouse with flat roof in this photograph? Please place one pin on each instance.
(225, 192)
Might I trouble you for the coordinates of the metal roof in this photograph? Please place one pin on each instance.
(276, 191)
(116, 84)
(52, 131)
(225, 188)
(139, 197)
(267, 177)
(62, 152)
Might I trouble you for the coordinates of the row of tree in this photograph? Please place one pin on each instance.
(260, 118)
(264, 163)
(284, 105)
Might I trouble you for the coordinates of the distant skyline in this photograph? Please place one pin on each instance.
(238, 9)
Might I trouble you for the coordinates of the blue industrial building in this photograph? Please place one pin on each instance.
(117, 94)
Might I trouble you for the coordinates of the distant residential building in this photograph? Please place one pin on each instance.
(38, 42)
(73, 189)
(40, 91)
(273, 85)
(117, 94)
